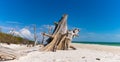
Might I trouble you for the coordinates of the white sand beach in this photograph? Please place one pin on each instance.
(84, 53)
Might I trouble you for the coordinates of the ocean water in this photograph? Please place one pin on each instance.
(100, 43)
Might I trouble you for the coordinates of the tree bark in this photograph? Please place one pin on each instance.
(58, 40)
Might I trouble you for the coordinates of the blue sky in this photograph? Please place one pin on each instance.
(98, 19)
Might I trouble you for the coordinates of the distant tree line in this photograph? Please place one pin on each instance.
(8, 38)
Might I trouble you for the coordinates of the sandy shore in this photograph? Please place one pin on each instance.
(84, 53)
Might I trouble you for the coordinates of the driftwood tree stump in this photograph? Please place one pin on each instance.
(58, 41)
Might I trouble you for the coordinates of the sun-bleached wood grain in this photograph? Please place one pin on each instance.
(57, 41)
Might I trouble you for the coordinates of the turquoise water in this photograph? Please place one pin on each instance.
(101, 43)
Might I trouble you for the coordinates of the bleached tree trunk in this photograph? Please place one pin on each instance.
(57, 38)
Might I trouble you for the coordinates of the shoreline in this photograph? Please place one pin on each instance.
(100, 43)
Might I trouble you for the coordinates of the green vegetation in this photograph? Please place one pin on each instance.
(7, 38)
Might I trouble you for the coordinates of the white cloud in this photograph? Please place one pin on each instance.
(71, 27)
(13, 22)
(14, 33)
(26, 33)
(48, 26)
(45, 28)
(5, 28)
(84, 34)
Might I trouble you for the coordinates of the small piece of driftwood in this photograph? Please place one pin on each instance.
(7, 54)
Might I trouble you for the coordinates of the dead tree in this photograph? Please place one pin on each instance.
(61, 38)
(35, 36)
(57, 40)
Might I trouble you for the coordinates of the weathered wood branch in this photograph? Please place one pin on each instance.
(7, 54)
(48, 35)
(57, 41)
